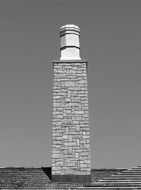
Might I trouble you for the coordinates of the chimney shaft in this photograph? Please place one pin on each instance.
(71, 159)
(70, 45)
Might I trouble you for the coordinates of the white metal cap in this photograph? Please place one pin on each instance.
(70, 45)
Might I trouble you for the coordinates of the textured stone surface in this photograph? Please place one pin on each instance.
(70, 129)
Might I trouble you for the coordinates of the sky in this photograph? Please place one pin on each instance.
(111, 41)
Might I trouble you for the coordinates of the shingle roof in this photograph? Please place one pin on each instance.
(127, 178)
(18, 178)
(40, 178)
(98, 174)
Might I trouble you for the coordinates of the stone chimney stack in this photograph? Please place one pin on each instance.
(71, 161)
(70, 45)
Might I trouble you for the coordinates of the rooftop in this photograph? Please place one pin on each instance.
(40, 178)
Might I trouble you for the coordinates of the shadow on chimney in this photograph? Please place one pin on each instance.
(47, 171)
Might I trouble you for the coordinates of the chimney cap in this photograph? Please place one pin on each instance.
(70, 45)
(69, 28)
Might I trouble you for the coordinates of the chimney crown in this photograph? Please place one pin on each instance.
(70, 45)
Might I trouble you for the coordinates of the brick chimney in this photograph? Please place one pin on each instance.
(71, 160)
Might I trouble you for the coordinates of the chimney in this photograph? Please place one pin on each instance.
(71, 160)
(70, 45)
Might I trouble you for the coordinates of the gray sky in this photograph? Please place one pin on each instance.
(29, 42)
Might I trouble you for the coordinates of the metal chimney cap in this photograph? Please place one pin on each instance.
(69, 28)
(70, 45)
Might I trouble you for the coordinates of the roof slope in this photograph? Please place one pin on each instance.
(97, 174)
(19, 178)
(40, 178)
(127, 178)
(30, 178)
